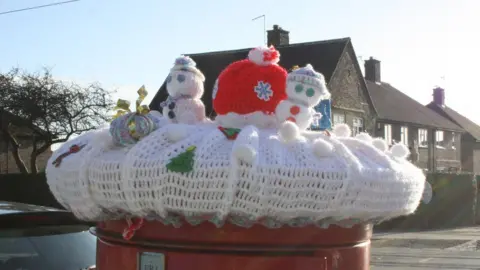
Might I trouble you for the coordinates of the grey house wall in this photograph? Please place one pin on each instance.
(349, 93)
(470, 153)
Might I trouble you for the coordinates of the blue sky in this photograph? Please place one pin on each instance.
(125, 43)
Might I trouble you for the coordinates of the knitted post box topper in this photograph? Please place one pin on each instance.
(248, 91)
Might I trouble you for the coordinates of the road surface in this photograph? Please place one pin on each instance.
(449, 249)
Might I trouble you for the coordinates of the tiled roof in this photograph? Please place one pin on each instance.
(459, 119)
(323, 55)
(393, 105)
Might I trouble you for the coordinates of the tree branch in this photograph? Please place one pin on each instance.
(33, 156)
(52, 109)
(8, 136)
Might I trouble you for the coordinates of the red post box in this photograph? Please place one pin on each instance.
(159, 247)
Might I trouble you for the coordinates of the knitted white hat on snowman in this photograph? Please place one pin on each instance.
(309, 76)
(185, 63)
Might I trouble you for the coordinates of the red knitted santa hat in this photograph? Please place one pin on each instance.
(255, 84)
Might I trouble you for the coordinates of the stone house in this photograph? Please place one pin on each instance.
(23, 136)
(470, 139)
(335, 59)
(433, 140)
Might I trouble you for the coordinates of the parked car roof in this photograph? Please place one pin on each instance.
(44, 238)
(7, 208)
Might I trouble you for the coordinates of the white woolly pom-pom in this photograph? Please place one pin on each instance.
(380, 144)
(245, 153)
(102, 138)
(364, 137)
(342, 130)
(289, 131)
(264, 55)
(322, 148)
(177, 132)
(399, 151)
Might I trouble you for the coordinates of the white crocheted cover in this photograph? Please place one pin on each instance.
(285, 183)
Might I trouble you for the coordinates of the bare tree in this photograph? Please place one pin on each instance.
(53, 110)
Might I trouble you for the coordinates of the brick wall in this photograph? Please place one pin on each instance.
(8, 165)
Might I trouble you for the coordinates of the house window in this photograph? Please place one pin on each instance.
(387, 133)
(452, 141)
(357, 125)
(338, 118)
(422, 137)
(439, 137)
(404, 135)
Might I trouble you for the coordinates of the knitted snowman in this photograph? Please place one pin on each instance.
(305, 89)
(248, 91)
(185, 88)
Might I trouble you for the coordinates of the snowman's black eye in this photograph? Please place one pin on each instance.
(180, 78)
(169, 79)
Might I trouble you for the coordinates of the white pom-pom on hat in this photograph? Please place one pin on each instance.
(322, 148)
(364, 137)
(289, 131)
(380, 144)
(399, 151)
(245, 153)
(264, 56)
(177, 132)
(342, 130)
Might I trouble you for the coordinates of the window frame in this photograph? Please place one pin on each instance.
(357, 128)
(437, 136)
(387, 135)
(335, 117)
(422, 134)
(404, 135)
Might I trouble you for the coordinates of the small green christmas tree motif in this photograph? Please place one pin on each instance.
(230, 133)
(183, 162)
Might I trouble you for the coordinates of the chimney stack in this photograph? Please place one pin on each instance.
(277, 37)
(372, 70)
(439, 96)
